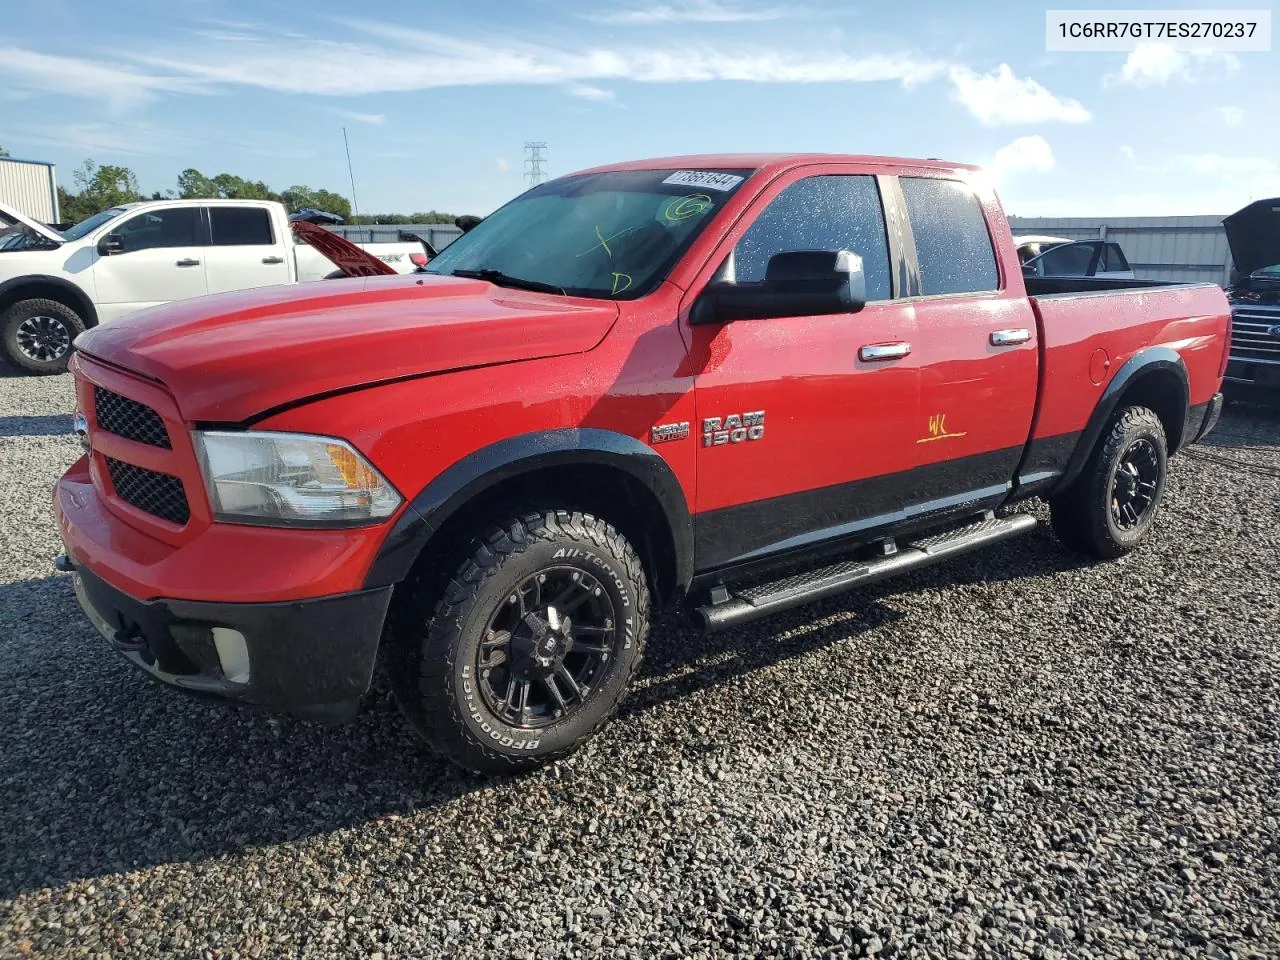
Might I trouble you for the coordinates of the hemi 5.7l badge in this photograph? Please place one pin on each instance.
(669, 431)
(735, 428)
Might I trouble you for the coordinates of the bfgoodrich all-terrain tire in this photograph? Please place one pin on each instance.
(531, 647)
(1110, 507)
(36, 335)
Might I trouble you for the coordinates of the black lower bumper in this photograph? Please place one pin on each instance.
(309, 657)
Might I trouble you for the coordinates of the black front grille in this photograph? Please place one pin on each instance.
(129, 419)
(155, 493)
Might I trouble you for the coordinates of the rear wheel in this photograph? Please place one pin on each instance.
(531, 647)
(37, 335)
(1111, 506)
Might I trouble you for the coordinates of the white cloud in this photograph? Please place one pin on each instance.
(588, 92)
(1156, 64)
(1002, 97)
(705, 11)
(427, 60)
(1023, 155)
(504, 165)
(112, 83)
(373, 119)
(379, 57)
(1231, 116)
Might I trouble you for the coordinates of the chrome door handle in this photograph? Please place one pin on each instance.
(187, 263)
(1008, 338)
(273, 259)
(883, 351)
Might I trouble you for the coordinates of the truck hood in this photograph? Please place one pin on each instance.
(8, 213)
(228, 358)
(1253, 233)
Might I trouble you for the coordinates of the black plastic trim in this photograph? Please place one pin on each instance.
(1142, 364)
(523, 454)
(853, 512)
(83, 305)
(1045, 463)
(303, 654)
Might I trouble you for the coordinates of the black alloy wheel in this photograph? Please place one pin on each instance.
(545, 647)
(1133, 492)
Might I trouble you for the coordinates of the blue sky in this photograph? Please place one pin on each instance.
(439, 96)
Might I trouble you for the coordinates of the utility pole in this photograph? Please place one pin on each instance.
(535, 156)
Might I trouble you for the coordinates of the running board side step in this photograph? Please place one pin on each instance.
(751, 603)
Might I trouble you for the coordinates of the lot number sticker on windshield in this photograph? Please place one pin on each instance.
(705, 178)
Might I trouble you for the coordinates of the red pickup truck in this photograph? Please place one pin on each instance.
(732, 384)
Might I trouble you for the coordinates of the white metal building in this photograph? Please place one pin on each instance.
(30, 187)
(1158, 248)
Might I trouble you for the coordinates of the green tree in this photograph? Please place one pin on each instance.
(194, 185)
(231, 187)
(299, 197)
(3, 152)
(100, 187)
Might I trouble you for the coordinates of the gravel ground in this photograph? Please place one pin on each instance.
(1012, 755)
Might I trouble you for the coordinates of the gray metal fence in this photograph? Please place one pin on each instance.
(439, 235)
(1158, 248)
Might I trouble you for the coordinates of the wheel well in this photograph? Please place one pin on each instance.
(62, 293)
(605, 492)
(1164, 393)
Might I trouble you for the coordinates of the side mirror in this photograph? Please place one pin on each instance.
(797, 283)
(111, 244)
(467, 222)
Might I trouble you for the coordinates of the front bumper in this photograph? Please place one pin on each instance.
(309, 657)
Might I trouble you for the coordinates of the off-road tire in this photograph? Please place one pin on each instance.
(433, 651)
(24, 310)
(1082, 515)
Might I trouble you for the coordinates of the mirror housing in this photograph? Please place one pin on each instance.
(797, 283)
(467, 222)
(111, 244)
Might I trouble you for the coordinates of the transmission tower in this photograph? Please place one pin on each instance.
(535, 158)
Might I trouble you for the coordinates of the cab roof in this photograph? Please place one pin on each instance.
(773, 161)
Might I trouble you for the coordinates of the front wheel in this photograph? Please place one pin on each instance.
(532, 646)
(37, 335)
(1109, 509)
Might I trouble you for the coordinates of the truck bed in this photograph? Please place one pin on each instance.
(1089, 328)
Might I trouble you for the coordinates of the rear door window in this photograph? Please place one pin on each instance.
(953, 247)
(1113, 259)
(837, 212)
(1068, 260)
(241, 227)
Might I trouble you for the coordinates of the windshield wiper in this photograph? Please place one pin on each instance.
(501, 279)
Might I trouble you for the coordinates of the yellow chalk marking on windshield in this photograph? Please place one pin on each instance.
(617, 279)
(682, 208)
(604, 241)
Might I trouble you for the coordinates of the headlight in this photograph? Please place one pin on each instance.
(291, 479)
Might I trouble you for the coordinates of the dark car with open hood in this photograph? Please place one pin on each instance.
(1254, 236)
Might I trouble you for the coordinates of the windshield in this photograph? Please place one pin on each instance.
(1267, 273)
(614, 235)
(85, 227)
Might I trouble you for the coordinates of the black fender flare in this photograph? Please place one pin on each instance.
(1144, 363)
(81, 301)
(526, 453)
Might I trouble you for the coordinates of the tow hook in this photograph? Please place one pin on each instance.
(129, 640)
(64, 564)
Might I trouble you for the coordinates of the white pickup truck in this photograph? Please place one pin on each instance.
(54, 284)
